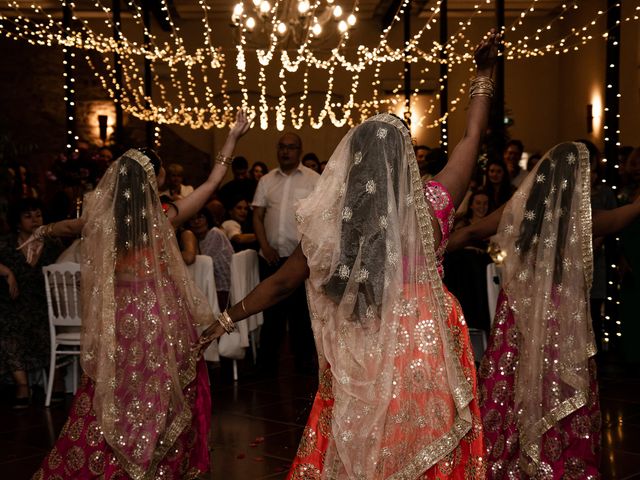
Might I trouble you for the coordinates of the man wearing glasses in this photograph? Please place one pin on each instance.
(274, 206)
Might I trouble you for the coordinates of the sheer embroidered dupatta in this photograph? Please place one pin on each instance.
(140, 311)
(379, 310)
(545, 232)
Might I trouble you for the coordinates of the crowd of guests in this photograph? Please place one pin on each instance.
(255, 210)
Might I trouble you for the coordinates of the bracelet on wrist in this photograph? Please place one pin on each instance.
(225, 321)
(222, 160)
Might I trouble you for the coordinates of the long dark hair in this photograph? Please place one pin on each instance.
(130, 201)
(560, 177)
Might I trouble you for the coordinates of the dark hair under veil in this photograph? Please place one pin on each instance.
(545, 234)
(552, 176)
(359, 228)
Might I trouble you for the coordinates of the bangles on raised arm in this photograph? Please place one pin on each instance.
(481, 86)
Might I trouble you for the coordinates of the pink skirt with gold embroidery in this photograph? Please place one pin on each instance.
(81, 451)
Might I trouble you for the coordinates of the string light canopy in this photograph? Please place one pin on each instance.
(273, 74)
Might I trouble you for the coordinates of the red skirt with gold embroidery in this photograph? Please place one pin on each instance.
(464, 462)
(81, 451)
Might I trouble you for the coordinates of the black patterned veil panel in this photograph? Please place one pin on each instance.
(375, 150)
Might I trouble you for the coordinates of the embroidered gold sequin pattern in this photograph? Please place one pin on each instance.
(96, 463)
(75, 459)
(307, 442)
(306, 471)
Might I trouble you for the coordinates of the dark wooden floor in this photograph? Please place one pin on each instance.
(257, 424)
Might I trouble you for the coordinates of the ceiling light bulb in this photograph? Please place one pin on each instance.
(303, 6)
(342, 26)
(282, 28)
(237, 10)
(257, 2)
(351, 20)
(316, 29)
(265, 6)
(337, 11)
(250, 24)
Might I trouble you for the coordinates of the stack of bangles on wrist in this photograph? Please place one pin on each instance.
(481, 87)
(45, 231)
(225, 320)
(222, 160)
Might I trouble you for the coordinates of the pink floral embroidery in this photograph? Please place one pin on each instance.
(442, 204)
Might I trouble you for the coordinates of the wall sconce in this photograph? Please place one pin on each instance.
(102, 122)
(590, 118)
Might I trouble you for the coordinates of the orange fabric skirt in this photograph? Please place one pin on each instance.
(464, 462)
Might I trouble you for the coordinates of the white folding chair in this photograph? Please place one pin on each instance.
(201, 272)
(245, 276)
(62, 286)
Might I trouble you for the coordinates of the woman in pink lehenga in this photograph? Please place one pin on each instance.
(538, 392)
(143, 407)
(397, 380)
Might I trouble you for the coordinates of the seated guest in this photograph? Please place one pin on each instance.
(187, 241)
(512, 155)
(24, 328)
(310, 160)
(173, 186)
(497, 184)
(533, 159)
(188, 244)
(421, 152)
(237, 213)
(213, 242)
(241, 184)
(258, 170)
(465, 269)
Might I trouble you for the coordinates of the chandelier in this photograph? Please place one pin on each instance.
(291, 22)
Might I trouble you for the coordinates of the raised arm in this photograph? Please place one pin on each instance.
(187, 207)
(480, 230)
(457, 173)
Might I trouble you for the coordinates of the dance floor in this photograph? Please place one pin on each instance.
(257, 424)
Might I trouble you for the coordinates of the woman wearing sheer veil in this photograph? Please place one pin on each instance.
(538, 392)
(396, 370)
(143, 407)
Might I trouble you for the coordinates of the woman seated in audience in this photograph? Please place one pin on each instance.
(497, 184)
(258, 170)
(24, 325)
(213, 242)
(237, 216)
(187, 240)
(465, 270)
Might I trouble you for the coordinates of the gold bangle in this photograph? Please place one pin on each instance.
(227, 324)
(243, 307)
(222, 160)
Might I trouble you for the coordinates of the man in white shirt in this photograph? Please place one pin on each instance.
(274, 223)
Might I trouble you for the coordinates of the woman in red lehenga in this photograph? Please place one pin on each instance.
(143, 407)
(538, 389)
(397, 379)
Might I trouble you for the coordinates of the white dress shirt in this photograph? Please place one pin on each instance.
(279, 193)
(185, 191)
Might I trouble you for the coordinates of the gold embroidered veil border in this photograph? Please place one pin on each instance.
(140, 313)
(545, 232)
(379, 310)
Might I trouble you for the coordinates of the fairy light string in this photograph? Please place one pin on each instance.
(199, 81)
